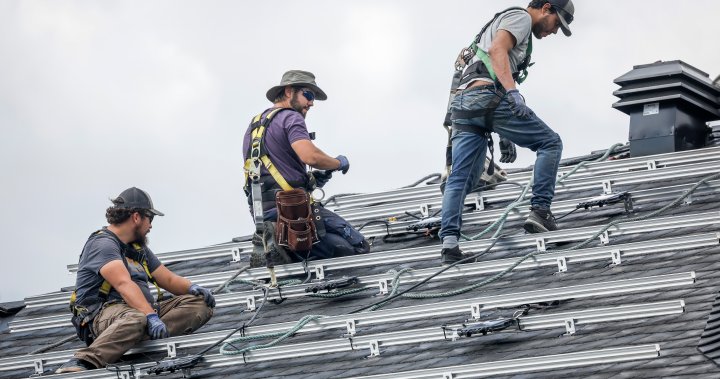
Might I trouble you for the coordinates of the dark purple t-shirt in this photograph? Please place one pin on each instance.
(286, 127)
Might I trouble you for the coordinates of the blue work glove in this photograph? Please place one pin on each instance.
(507, 149)
(204, 292)
(321, 177)
(344, 164)
(155, 327)
(517, 104)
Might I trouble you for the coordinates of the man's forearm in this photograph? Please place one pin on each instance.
(501, 64)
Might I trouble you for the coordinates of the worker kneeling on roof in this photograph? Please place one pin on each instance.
(113, 308)
(486, 100)
(290, 225)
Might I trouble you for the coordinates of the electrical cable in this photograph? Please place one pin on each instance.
(426, 178)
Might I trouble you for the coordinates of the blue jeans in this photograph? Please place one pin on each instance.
(468, 154)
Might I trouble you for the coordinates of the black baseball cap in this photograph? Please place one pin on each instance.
(135, 198)
(566, 12)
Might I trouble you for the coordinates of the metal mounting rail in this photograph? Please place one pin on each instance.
(234, 250)
(591, 169)
(510, 193)
(612, 254)
(534, 364)
(490, 215)
(432, 252)
(222, 250)
(527, 323)
(415, 336)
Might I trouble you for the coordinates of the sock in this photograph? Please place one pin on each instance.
(449, 242)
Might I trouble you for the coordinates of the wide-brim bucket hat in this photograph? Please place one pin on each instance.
(296, 78)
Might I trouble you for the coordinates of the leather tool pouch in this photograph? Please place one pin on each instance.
(295, 225)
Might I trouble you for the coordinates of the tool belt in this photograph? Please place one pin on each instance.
(82, 321)
(296, 229)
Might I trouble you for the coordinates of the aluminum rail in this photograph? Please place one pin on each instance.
(431, 252)
(563, 260)
(534, 364)
(223, 250)
(373, 343)
(572, 184)
(591, 169)
(354, 323)
(234, 250)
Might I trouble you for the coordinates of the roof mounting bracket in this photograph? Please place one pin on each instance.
(475, 311)
(374, 349)
(616, 257)
(39, 369)
(448, 375)
(383, 285)
(236, 254)
(477, 201)
(605, 238)
(562, 264)
(651, 165)
(540, 244)
(607, 187)
(569, 327)
(250, 301)
(425, 210)
(350, 324)
(319, 272)
(171, 350)
(688, 199)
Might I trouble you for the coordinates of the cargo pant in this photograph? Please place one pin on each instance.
(119, 327)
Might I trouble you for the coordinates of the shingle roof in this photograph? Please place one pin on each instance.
(633, 302)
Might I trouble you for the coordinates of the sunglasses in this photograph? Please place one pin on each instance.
(149, 215)
(309, 95)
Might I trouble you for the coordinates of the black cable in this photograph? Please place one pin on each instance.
(418, 284)
(566, 214)
(435, 175)
(387, 225)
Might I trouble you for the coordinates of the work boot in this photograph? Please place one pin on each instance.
(451, 255)
(257, 256)
(540, 220)
(75, 365)
(274, 253)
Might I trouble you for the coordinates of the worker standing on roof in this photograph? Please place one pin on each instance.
(287, 144)
(487, 100)
(113, 308)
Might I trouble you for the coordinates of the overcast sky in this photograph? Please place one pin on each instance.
(98, 96)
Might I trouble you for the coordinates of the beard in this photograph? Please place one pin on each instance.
(295, 104)
(139, 237)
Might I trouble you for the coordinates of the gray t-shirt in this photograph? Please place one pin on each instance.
(101, 249)
(519, 24)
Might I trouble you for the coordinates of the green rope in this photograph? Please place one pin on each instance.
(227, 348)
(223, 287)
(334, 294)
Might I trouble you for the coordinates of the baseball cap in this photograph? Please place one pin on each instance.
(566, 12)
(135, 198)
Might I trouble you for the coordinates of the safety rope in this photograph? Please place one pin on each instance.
(224, 350)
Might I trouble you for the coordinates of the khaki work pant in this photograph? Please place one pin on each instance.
(120, 327)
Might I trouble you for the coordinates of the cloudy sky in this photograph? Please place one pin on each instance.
(98, 96)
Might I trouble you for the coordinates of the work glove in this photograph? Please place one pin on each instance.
(204, 292)
(321, 177)
(155, 327)
(507, 148)
(344, 164)
(517, 104)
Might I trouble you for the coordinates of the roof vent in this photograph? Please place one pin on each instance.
(669, 104)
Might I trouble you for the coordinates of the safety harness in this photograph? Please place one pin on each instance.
(482, 68)
(263, 189)
(83, 314)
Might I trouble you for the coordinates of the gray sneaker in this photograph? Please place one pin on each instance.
(451, 255)
(540, 220)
